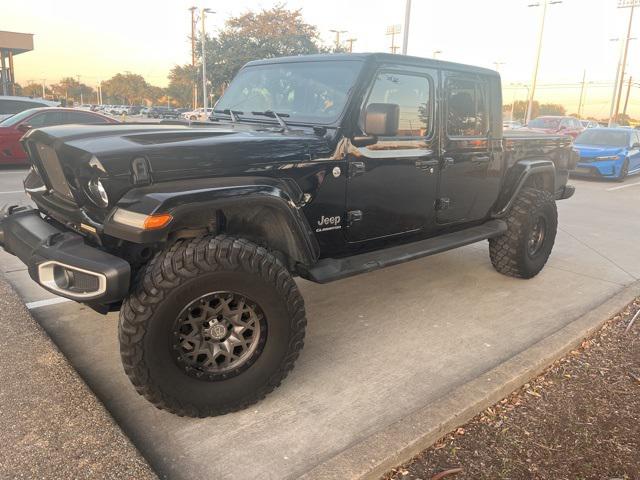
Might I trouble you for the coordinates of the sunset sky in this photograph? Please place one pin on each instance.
(98, 39)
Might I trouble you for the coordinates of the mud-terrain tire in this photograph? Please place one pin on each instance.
(247, 285)
(532, 225)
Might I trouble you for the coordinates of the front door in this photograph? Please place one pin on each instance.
(470, 176)
(392, 184)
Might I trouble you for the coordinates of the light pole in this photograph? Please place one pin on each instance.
(617, 95)
(194, 100)
(436, 53)
(534, 80)
(203, 14)
(584, 77)
(497, 64)
(407, 20)
(350, 41)
(338, 33)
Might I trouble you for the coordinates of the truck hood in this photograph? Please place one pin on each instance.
(591, 151)
(178, 152)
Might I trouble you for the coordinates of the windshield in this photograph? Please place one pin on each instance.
(603, 138)
(313, 92)
(544, 123)
(17, 118)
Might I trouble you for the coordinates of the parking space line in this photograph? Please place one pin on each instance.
(623, 186)
(46, 303)
(14, 191)
(13, 172)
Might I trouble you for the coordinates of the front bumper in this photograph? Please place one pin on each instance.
(61, 261)
(603, 168)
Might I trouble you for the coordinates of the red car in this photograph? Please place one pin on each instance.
(15, 126)
(556, 124)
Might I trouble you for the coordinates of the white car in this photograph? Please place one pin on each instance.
(10, 105)
(198, 114)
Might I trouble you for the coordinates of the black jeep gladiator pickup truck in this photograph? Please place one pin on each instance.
(320, 167)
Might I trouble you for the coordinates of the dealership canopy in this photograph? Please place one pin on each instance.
(11, 43)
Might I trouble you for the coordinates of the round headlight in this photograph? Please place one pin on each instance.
(97, 193)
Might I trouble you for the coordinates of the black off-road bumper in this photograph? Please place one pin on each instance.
(61, 261)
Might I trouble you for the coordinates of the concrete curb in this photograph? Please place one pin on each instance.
(401, 441)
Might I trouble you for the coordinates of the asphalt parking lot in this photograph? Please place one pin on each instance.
(379, 346)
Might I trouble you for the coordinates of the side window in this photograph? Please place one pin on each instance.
(82, 118)
(412, 93)
(45, 119)
(466, 108)
(637, 138)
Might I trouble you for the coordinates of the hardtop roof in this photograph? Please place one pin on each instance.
(378, 57)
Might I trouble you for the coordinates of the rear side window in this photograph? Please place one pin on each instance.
(466, 108)
(83, 118)
(412, 93)
(11, 107)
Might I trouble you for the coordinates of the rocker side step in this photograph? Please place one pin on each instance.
(330, 269)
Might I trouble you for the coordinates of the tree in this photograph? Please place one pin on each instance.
(552, 109)
(181, 81)
(126, 88)
(72, 90)
(266, 34)
(32, 90)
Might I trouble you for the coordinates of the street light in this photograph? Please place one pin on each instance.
(203, 14)
(534, 80)
(338, 33)
(350, 41)
(436, 53)
(407, 20)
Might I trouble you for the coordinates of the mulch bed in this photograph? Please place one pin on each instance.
(580, 419)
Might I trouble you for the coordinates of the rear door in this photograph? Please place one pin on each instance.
(392, 184)
(470, 176)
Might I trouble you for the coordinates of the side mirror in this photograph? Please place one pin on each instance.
(23, 127)
(381, 119)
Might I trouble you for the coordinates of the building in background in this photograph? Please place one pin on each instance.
(11, 44)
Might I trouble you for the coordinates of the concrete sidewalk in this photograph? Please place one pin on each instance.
(52, 425)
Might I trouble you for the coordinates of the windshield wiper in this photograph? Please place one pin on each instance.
(232, 113)
(277, 116)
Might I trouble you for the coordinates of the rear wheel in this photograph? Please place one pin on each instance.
(532, 224)
(214, 325)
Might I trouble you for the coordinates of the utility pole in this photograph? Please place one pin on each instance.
(392, 31)
(43, 88)
(203, 38)
(615, 84)
(338, 33)
(80, 87)
(625, 4)
(350, 42)
(626, 100)
(407, 21)
(534, 80)
(194, 99)
(584, 77)
(436, 53)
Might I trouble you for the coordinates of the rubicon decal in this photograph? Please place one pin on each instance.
(329, 223)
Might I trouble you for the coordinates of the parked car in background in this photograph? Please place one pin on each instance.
(162, 112)
(135, 110)
(13, 128)
(10, 105)
(589, 123)
(608, 152)
(198, 114)
(511, 124)
(557, 124)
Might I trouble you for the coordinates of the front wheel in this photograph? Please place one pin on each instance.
(213, 325)
(624, 171)
(532, 224)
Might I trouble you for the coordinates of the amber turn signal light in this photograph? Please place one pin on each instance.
(154, 222)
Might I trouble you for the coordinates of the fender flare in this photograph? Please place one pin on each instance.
(517, 177)
(196, 203)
